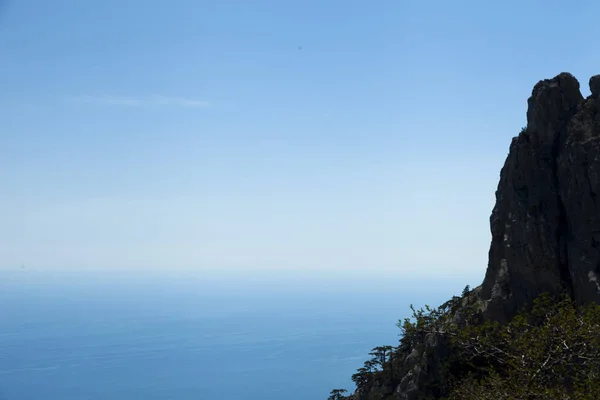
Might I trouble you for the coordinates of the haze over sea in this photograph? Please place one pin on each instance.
(334, 160)
(77, 336)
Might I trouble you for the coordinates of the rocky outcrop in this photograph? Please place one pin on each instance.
(545, 224)
(423, 378)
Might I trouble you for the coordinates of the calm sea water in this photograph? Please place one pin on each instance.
(83, 337)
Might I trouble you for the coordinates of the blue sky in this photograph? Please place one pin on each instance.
(268, 135)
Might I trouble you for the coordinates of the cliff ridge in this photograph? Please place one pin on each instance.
(545, 229)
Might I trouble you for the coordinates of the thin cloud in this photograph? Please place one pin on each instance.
(147, 101)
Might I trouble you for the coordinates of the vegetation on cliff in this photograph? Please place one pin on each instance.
(496, 342)
(549, 351)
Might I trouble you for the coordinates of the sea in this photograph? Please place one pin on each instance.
(77, 335)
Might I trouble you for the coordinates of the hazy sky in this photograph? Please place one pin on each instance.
(321, 135)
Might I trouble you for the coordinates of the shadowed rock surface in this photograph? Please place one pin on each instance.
(545, 224)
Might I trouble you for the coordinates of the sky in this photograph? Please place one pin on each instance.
(320, 136)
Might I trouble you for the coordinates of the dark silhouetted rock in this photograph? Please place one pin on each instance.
(545, 223)
(528, 254)
(595, 85)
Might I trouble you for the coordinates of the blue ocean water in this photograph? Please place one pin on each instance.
(88, 338)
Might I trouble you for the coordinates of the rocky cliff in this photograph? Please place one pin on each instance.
(545, 224)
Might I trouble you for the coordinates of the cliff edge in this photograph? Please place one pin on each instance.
(545, 224)
(545, 228)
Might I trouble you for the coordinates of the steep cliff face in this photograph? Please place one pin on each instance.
(545, 224)
(545, 228)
